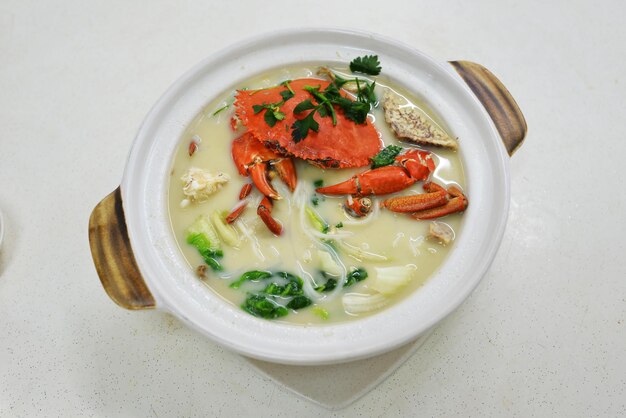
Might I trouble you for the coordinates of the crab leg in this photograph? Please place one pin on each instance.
(456, 204)
(265, 213)
(232, 216)
(383, 180)
(287, 172)
(245, 191)
(253, 158)
(432, 187)
(455, 192)
(258, 172)
(418, 202)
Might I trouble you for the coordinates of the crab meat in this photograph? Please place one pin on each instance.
(440, 232)
(199, 184)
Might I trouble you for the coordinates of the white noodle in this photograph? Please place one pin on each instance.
(241, 225)
(300, 199)
(360, 254)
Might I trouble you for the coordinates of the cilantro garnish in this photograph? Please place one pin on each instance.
(367, 64)
(273, 114)
(386, 156)
(301, 127)
(323, 102)
(354, 110)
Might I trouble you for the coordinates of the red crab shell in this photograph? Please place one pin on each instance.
(346, 144)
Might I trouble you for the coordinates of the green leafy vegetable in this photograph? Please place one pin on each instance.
(226, 232)
(353, 277)
(318, 183)
(321, 312)
(330, 285)
(204, 238)
(299, 302)
(290, 289)
(316, 220)
(339, 225)
(263, 307)
(367, 64)
(253, 276)
(293, 288)
(386, 156)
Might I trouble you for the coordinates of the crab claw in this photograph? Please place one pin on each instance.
(418, 163)
(414, 165)
(358, 207)
(287, 172)
(258, 171)
(383, 180)
(264, 211)
(252, 158)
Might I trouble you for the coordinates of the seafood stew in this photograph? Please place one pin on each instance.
(316, 195)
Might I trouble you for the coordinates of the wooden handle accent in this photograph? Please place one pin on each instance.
(113, 256)
(498, 102)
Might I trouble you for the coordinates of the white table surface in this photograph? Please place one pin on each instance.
(543, 335)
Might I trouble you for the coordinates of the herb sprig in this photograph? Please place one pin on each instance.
(323, 102)
(367, 64)
(354, 110)
(273, 114)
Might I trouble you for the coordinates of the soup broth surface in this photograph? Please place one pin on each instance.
(388, 239)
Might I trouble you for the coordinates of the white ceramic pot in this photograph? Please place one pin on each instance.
(140, 265)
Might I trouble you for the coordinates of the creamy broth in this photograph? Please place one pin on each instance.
(398, 237)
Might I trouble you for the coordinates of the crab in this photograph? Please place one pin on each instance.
(341, 145)
(263, 149)
(253, 159)
(410, 167)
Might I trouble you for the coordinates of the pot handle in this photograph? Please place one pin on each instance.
(498, 102)
(113, 256)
